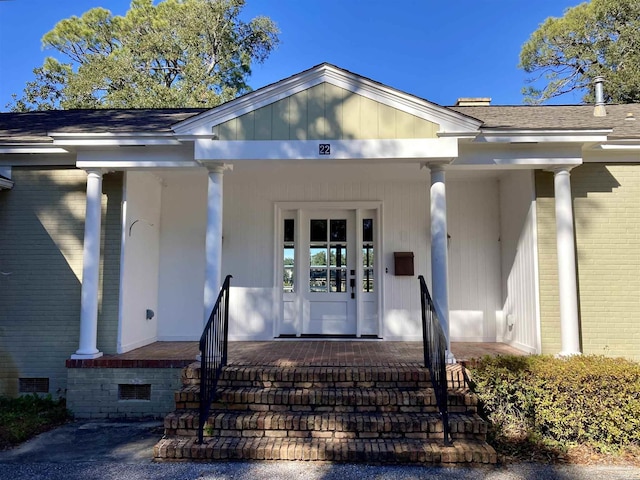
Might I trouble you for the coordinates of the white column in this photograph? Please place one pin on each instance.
(439, 254)
(213, 245)
(90, 269)
(568, 289)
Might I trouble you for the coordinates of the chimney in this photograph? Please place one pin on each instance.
(599, 110)
(473, 102)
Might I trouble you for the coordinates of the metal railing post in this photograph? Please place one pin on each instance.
(435, 346)
(213, 352)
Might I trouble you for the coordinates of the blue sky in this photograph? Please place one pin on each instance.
(438, 50)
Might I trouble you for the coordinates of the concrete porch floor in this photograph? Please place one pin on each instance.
(316, 352)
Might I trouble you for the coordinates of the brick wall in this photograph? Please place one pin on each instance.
(93, 392)
(606, 201)
(41, 242)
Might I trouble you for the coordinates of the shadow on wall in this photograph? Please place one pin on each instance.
(41, 251)
(41, 239)
(109, 294)
(251, 314)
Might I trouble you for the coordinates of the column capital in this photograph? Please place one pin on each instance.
(560, 169)
(94, 171)
(436, 166)
(216, 167)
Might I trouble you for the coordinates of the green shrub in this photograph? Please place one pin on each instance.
(23, 417)
(586, 399)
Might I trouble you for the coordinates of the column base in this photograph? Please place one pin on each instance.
(567, 354)
(86, 356)
(449, 358)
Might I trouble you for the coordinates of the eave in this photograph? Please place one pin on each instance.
(542, 136)
(113, 139)
(5, 183)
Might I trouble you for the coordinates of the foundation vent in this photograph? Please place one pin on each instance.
(134, 392)
(33, 385)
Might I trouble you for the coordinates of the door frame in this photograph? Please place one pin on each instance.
(297, 208)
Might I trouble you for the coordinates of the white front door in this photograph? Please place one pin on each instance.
(327, 275)
(329, 279)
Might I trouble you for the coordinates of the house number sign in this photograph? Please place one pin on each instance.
(324, 149)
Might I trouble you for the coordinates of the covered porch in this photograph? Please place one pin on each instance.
(307, 353)
(144, 381)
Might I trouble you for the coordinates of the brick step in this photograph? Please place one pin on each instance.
(390, 451)
(410, 376)
(325, 425)
(343, 399)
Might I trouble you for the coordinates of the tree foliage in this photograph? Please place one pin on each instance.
(601, 37)
(178, 53)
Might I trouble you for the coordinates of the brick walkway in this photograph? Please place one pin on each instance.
(336, 353)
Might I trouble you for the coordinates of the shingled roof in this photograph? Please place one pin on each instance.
(36, 126)
(558, 117)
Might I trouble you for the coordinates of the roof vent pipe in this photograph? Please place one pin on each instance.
(599, 110)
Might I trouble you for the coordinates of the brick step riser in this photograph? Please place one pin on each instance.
(313, 434)
(321, 376)
(373, 451)
(327, 400)
(323, 408)
(325, 425)
(323, 384)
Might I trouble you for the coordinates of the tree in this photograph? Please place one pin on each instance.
(178, 53)
(601, 37)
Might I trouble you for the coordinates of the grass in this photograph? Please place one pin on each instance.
(23, 417)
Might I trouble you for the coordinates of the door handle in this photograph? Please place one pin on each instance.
(352, 284)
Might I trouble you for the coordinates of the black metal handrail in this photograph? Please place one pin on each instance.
(435, 346)
(213, 353)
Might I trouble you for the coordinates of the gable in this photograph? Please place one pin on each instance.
(325, 112)
(323, 103)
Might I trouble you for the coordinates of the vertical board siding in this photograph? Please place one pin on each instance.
(41, 243)
(518, 324)
(182, 256)
(474, 259)
(248, 247)
(325, 112)
(141, 261)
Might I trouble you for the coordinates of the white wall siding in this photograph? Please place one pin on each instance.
(182, 257)
(518, 325)
(473, 220)
(140, 261)
(248, 249)
(404, 192)
(250, 192)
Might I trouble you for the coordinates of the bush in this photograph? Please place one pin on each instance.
(23, 417)
(590, 400)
